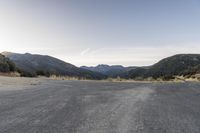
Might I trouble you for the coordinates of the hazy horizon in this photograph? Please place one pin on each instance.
(92, 32)
(98, 63)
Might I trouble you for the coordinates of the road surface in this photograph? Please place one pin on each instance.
(49, 106)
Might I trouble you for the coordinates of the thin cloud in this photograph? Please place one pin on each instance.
(85, 51)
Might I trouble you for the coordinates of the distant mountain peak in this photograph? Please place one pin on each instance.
(6, 53)
(28, 54)
(109, 70)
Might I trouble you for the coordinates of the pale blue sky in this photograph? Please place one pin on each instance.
(91, 32)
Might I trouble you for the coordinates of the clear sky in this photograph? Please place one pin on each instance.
(91, 32)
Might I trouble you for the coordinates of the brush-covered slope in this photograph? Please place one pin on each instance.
(6, 65)
(182, 64)
(34, 64)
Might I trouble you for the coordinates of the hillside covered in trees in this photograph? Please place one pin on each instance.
(177, 65)
(32, 65)
(6, 65)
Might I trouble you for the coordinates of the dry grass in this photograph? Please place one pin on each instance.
(54, 77)
(177, 79)
(193, 78)
(11, 74)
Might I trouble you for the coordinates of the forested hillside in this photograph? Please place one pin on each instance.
(6, 65)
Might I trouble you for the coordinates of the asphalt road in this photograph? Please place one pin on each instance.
(100, 107)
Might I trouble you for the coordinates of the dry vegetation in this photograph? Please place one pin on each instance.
(10, 74)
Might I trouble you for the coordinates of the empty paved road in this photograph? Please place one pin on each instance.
(49, 106)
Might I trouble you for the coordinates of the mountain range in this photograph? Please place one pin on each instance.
(110, 71)
(168, 68)
(32, 65)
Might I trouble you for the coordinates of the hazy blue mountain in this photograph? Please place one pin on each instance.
(33, 64)
(111, 71)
